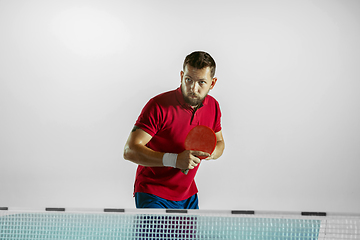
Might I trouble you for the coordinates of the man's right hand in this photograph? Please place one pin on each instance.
(189, 159)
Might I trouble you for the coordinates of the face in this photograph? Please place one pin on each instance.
(196, 84)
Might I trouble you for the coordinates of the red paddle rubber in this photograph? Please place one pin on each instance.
(200, 138)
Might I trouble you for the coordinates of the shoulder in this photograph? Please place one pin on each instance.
(211, 98)
(159, 103)
(164, 99)
(211, 101)
(164, 95)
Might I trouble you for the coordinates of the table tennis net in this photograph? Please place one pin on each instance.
(162, 224)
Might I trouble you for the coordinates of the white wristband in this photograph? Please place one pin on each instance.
(169, 159)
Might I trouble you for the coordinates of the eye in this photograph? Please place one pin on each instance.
(187, 79)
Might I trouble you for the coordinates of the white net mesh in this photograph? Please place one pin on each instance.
(137, 224)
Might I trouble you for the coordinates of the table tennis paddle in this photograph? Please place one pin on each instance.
(200, 138)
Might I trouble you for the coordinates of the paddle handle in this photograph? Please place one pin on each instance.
(185, 171)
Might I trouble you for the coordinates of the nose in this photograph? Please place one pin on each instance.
(194, 86)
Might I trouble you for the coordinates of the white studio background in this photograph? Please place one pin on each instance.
(74, 76)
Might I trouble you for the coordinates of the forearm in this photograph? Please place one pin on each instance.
(219, 149)
(143, 155)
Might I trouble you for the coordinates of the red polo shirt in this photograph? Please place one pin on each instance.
(168, 119)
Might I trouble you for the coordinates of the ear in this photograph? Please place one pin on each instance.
(181, 76)
(213, 82)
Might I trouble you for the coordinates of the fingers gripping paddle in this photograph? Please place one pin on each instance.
(200, 138)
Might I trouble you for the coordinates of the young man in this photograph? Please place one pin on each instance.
(156, 141)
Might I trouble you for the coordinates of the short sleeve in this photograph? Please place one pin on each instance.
(217, 125)
(149, 119)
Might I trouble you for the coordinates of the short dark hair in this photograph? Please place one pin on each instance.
(200, 60)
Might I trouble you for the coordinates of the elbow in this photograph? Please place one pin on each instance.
(126, 153)
(130, 153)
